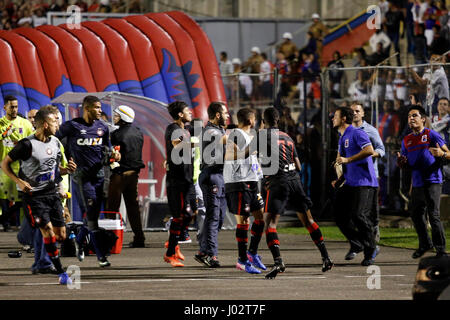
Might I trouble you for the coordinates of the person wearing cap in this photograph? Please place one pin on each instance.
(288, 47)
(124, 178)
(319, 31)
(253, 65)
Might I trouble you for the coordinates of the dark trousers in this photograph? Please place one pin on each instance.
(126, 184)
(425, 201)
(213, 188)
(353, 215)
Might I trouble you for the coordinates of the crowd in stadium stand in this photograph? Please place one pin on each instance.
(27, 13)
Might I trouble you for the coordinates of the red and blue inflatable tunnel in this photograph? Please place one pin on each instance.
(162, 56)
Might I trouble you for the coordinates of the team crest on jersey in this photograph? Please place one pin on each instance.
(82, 131)
(100, 132)
(424, 138)
(49, 151)
(247, 207)
(346, 143)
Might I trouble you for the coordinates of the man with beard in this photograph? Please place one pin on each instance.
(212, 183)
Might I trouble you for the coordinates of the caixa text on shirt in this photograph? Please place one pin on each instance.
(90, 141)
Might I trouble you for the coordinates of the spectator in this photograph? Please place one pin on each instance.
(439, 44)
(400, 86)
(118, 6)
(82, 5)
(283, 70)
(54, 6)
(429, 18)
(38, 18)
(253, 65)
(359, 55)
(409, 25)
(226, 68)
(384, 7)
(243, 83)
(378, 56)
(380, 37)
(319, 31)
(288, 47)
(266, 79)
(418, 10)
(135, 6)
(287, 123)
(311, 44)
(311, 111)
(420, 46)
(335, 75)
(443, 19)
(94, 7)
(392, 21)
(435, 81)
(105, 6)
(26, 20)
(441, 124)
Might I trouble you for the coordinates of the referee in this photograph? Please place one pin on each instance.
(40, 158)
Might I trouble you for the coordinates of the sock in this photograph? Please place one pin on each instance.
(273, 243)
(316, 236)
(256, 231)
(175, 228)
(242, 239)
(53, 253)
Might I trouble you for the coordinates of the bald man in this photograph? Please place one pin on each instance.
(31, 114)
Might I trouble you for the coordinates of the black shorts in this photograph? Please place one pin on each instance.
(181, 199)
(40, 210)
(286, 194)
(244, 202)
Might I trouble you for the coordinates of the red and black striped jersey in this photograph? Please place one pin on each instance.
(285, 156)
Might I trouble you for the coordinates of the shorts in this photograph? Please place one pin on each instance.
(181, 199)
(40, 210)
(242, 203)
(286, 194)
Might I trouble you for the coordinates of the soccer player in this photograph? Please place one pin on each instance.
(180, 186)
(284, 189)
(212, 184)
(12, 128)
(241, 175)
(421, 151)
(88, 143)
(40, 157)
(354, 199)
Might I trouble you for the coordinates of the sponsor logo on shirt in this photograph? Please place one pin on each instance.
(90, 141)
(346, 143)
(82, 131)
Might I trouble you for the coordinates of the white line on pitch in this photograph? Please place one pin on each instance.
(381, 275)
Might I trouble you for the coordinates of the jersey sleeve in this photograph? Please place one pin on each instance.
(436, 138)
(403, 152)
(362, 139)
(21, 151)
(64, 130)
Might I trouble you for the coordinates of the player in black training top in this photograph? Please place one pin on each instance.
(284, 189)
(180, 185)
